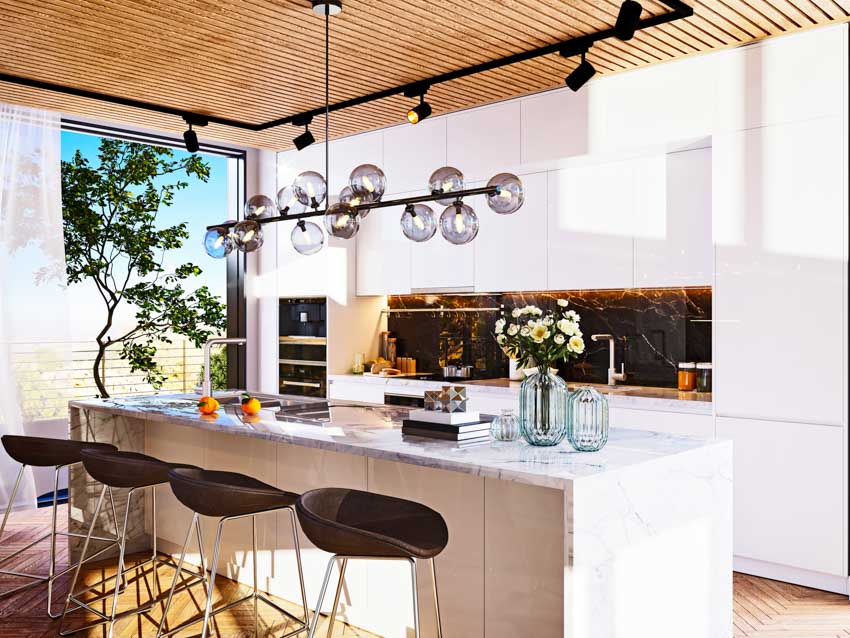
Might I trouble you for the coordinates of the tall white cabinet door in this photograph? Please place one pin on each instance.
(383, 253)
(437, 265)
(780, 228)
(673, 245)
(790, 501)
(301, 275)
(486, 141)
(510, 250)
(591, 216)
(350, 152)
(412, 153)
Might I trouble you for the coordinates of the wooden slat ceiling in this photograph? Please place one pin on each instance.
(257, 60)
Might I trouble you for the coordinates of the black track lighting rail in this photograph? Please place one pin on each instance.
(572, 46)
(418, 199)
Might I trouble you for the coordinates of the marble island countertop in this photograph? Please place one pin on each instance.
(374, 431)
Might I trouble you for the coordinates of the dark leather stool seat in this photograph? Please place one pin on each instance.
(215, 493)
(351, 522)
(44, 452)
(127, 469)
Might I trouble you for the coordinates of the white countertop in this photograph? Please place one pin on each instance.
(374, 431)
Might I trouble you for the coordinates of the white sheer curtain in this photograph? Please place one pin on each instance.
(33, 317)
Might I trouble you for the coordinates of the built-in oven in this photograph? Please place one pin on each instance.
(302, 347)
(407, 400)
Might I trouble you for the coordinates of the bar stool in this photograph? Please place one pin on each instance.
(136, 472)
(351, 524)
(230, 496)
(46, 452)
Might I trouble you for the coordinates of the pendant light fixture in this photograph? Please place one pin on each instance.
(190, 137)
(581, 74)
(627, 20)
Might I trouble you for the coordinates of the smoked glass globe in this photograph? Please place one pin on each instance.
(445, 180)
(310, 189)
(307, 238)
(418, 222)
(347, 196)
(218, 243)
(288, 202)
(248, 235)
(341, 221)
(368, 182)
(510, 195)
(459, 223)
(259, 206)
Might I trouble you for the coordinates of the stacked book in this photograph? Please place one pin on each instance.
(452, 426)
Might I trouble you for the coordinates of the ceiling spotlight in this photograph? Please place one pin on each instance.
(420, 111)
(304, 140)
(190, 138)
(627, 19)
(581, 74)
(327, 7)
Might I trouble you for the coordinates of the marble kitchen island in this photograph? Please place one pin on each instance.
(633, 541)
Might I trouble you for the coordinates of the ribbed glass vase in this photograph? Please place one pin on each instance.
(588, 422)
(543, 408)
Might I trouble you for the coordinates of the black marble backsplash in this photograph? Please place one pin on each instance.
(655, 329)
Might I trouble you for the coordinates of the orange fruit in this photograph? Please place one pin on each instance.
(207, 405)
(250, 405)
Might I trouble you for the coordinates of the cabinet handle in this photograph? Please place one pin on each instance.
(302, 383)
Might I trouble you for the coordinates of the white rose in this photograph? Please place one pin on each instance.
(501, 340)
(500, 326)
(572, 315)
(513, 329)
(576, 345)
(567, 327)
(516, 312)
(531, 323)
(559, 339)
(563, 303)
(525, 331)
(548, 321)
(536, 311)
(539, 332)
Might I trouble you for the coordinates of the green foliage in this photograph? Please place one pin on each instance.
(218, 369)
(112, 239)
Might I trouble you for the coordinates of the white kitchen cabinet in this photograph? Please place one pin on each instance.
(510, 250)
(790, 498)
(779, 301)
(678, 423)
(437, 265)
(485, 141)
(348, 153)
(356, 391)
(591, 221)
(413, 153)
(555, 125)
(673, 245)
(299, 275)
(383, 253)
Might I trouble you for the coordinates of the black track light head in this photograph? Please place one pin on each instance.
(304, 140)
(190, 138)
(627, 19)
(581, 74)
(420, 111)
(327, 7)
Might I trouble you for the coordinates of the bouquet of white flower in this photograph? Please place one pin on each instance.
(534, 338)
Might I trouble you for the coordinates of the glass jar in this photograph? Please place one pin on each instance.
(703, 377)
(687, 376)
(359, 366)
(588, 422)
(543, 408)
(505, 427)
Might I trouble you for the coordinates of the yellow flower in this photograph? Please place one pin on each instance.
(576, 345)
(539, 332)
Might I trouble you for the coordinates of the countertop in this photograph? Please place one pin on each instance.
(623, 396)
(374, 431)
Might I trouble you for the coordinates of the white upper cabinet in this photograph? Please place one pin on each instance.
(486, 141)
(673, 245)
(779, 301)
(383, 253)
(412, 153)
(300, 275)
(510, 250)
(350, 152)
(437, 265)
(591, 218)
(555, 125)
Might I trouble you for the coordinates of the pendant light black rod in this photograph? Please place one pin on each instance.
(483, 190)
(573, 46)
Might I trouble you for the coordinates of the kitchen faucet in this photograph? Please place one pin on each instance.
(613, 375)
(206, 387)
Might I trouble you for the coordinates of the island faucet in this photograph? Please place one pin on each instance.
(613, 375)
(206, 387)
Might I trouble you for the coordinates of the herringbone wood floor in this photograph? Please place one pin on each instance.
(763, 608)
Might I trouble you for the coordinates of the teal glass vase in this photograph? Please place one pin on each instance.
(543, 408)
(588, 420)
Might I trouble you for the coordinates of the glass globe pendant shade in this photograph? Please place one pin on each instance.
(510, 195)
(218, 243)
(341, 221)
(248, 235)
(307, 238)
(368, 182)
(418, 222)
(459, 224)
(347, 196)
(445, 180)
(288, 202)
(259, 206)
(310, 189)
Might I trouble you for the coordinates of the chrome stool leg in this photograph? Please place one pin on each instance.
(415, 596)
(436, 597)
(342, 565)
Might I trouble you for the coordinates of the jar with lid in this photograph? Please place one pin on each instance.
(505, 427)
(687, 376)
(703, 377)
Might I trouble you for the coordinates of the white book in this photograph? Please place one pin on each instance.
(445, 418)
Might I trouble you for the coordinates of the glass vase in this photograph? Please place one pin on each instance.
(505, 427)
(543, 408)
(588, 422)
